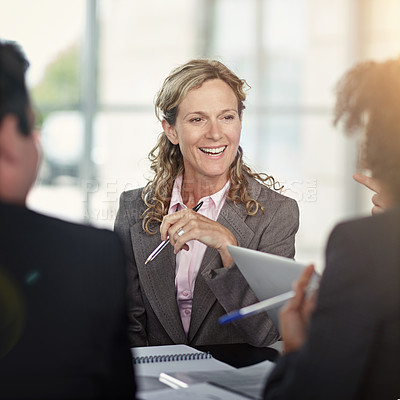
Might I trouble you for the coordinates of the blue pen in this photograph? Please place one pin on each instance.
(265, 305)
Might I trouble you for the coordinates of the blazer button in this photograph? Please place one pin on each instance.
(211, 273)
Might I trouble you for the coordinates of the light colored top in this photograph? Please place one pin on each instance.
(188, 262)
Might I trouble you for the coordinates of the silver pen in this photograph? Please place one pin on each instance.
(164, 243)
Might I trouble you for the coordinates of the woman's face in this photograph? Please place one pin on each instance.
(207, 129)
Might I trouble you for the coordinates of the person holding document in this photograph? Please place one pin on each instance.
(350, 349)
(177, 294)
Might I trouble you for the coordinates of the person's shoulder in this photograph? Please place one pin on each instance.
(375, 238)
(365, 252)
(50, 240)
(255, 187)
(81, 230)
(131, 207)
(132, 195)
(272, 199)
(375, 225)
(72, 233)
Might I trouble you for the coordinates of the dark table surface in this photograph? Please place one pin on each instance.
(240, 354)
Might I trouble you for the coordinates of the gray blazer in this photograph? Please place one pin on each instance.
(154, 317)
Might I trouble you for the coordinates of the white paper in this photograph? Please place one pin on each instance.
(199, 391)
(154, 369)
(249, 381)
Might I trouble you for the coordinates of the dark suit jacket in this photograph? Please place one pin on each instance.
(62, 306)
(152, 306)
(353, 348)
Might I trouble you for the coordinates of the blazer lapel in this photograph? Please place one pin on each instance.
(157, 279)
(232, 217)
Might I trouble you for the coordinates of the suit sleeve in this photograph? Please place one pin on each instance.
(136, 310)
(279, 236)
(333, 360)
(233, 291)
(118, 380)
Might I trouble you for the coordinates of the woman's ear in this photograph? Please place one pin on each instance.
(18, 161)
(8, 133)
(170, 132)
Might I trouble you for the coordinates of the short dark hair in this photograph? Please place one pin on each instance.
(14, 97)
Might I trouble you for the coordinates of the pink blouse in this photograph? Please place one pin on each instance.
(188, 262)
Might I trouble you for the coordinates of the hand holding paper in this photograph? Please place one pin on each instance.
(295, 315)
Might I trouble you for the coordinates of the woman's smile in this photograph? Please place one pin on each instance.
(213, 151)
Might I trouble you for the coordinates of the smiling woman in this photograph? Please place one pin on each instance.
(179, 296)
(207, 130)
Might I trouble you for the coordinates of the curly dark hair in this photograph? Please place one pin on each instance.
(368, 100)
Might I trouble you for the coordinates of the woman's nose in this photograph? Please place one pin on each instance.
(214, 131)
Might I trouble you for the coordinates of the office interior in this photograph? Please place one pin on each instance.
(96, 66)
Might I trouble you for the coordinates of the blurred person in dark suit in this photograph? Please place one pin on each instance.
(63, 328)
(349, 346)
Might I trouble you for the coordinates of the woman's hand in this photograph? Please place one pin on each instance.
(378, 199)
(295, 315)
(187, 224)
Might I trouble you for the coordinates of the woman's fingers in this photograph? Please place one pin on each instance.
(379, 200)
(293, 321)
(195, 227)
(183, 226)
(367, 181)
(171, 223)
(309, 306)
(300, 287)
(379, 203)
(186, 225)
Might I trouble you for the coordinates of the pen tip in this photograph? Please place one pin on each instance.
(146, 261)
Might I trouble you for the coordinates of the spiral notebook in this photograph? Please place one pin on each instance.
(153, 360)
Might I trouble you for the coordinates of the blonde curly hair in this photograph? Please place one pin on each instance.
(166, 158)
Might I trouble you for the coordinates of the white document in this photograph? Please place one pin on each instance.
(198, 391)
(268, 275)
(249, 381)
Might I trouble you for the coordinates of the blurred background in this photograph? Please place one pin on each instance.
(97, 65)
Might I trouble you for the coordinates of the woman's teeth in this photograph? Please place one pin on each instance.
(214, 151)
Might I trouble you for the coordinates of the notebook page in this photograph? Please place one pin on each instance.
(162, 350)
(154, 369)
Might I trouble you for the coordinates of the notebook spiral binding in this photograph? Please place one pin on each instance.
(171, 357)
